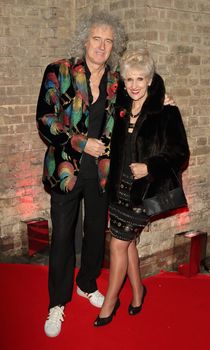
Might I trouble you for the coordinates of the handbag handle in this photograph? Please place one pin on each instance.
(176, 176)
(149, 183)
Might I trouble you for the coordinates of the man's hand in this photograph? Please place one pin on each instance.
(138, 170)
(169, 101)
(94, 147)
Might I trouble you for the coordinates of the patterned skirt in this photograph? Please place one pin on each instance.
(125, 224)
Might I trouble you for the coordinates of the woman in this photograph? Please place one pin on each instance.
(148, 140)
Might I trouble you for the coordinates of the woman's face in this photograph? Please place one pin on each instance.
(136, 84)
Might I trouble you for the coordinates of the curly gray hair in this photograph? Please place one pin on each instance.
(85, 23)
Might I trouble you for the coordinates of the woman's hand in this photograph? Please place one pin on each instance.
(168, 100)
(138, 170)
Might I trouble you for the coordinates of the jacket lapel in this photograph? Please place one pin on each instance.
(112, 84)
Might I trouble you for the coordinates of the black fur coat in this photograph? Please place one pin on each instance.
(158, 140)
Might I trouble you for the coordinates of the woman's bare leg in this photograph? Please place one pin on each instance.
(134, 274)
(118, 270)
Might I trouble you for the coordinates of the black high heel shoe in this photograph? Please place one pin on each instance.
(102, 321)
(134, 310)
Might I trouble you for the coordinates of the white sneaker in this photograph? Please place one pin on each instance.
(52, 325)
(95, 298)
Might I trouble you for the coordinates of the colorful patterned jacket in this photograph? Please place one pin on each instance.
(62, 121)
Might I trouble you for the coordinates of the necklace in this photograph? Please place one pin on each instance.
(134, 115)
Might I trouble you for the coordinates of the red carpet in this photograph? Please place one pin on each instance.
(176, 314)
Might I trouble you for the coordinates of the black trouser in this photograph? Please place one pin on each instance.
(64, 212)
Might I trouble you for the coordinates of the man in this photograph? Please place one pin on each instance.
(75, 118)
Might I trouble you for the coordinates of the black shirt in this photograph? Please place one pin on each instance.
(88, 168)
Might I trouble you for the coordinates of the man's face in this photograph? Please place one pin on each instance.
(99, 44)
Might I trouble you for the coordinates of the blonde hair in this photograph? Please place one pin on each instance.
(140, 59)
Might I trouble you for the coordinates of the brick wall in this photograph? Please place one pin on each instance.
(32, 34)
(177, 34)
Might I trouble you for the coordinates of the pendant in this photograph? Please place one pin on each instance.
(134, 115)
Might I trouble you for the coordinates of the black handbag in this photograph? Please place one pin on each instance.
(162, 202)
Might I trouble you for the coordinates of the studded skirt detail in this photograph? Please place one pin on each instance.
(126, 224)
